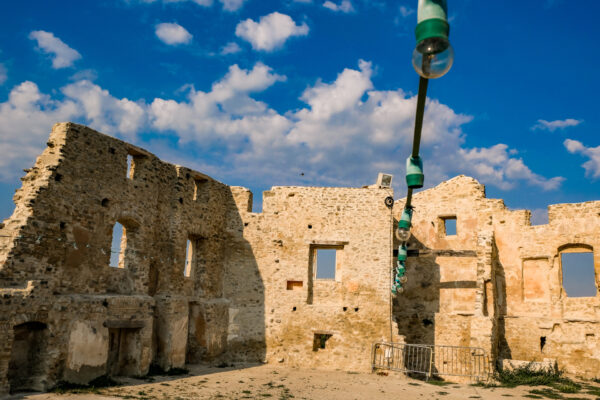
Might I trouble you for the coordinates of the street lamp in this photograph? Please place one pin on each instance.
(433, 55)
(432, 58)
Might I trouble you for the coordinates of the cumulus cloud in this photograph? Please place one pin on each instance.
(230, 48)
(62, 55)
(345, 134)
(551, 126)
(3, 74)
(345, 6)
(495, 165)
(172, 33)
(592, 166)
(28, 115)
(271, 32)
(105, 112)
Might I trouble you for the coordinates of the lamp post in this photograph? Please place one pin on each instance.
(432, 58)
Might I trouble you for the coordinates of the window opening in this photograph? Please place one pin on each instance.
(319, 341)
(129, 166)
(578, 275)
(325, 265)
(542, 342)
(117, 247)
(449, 226)
(189, 253)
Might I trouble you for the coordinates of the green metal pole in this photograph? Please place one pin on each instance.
(421, 97)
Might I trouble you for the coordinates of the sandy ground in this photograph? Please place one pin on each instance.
(272, 382)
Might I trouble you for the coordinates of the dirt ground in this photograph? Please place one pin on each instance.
(273, 382)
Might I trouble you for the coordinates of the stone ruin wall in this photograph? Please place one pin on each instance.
(497, 284)
(353, 308)
(253, 293)
(61, 302)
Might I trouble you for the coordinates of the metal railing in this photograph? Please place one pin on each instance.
(432, 360)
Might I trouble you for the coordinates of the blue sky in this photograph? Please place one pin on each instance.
(261, 93)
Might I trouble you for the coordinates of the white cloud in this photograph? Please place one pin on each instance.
(172, 33)
(105, 112)
(227, 111)
(232, 5)
(25, 122)
(345, 6)
(495, 165)
(592, 166)
(270, 32)
(230, 48)
(62, 55)
(28, 115)
(406, 11)
(3, 74)
(554, 125)
(346, 133)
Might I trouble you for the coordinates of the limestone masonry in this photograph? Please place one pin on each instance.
(306, 283)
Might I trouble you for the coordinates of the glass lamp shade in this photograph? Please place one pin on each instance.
(433, 58)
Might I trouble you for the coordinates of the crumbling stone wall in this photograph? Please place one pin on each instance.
(352, 310)
(497, 284)
(64, 312)
(253, 292)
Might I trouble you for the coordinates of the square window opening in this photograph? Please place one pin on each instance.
(578, 274)
(320, 340)
(325, 264)
(449, 226)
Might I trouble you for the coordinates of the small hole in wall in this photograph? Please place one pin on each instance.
(62, 225)
(57, 177)
(294, 309)
(427, 322)
(181, 200)
(355, 309)
(310, 227)
(319, 340)
(245, 223)
(111, 150)
(104, 202)
(542, 342)
(187, 176)
(345, 308)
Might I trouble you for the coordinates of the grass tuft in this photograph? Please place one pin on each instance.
(93, 386)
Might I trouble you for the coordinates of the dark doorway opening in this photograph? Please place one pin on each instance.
(197, 346)
(26, 369)
(123, 352)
